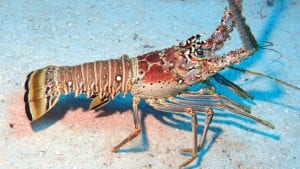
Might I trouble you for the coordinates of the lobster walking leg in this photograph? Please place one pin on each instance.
(202, 99)
(194, 124)
(235, 88)
(197, 147)
(198, 101)
(137, 125)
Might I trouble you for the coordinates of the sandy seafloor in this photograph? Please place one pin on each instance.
(34, 34)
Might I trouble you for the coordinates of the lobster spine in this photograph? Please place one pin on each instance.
(99, 79)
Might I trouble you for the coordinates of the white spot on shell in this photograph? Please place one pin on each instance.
(69, 83)
(118, 78)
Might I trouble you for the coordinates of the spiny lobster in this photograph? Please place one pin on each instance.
(161, 78)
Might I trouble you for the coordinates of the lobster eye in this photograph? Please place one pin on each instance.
(199, 53)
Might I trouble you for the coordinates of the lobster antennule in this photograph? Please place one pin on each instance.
(37, 101)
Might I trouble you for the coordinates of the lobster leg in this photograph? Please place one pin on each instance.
(137, 125)
(208, 97)
(197, 147)
(202, 99)
(198, 101)
(194, 124)
(235, 88)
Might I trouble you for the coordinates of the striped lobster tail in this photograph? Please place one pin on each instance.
(38, 98)
(101, 80)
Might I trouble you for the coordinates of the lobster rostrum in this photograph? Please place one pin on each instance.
(161, 78)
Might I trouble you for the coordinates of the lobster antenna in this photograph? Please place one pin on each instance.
(266, 76)
(249, 41)
(246, 35)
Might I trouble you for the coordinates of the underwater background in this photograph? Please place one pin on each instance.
(34, 34)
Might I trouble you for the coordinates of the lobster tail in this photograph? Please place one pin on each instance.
(39, 98)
